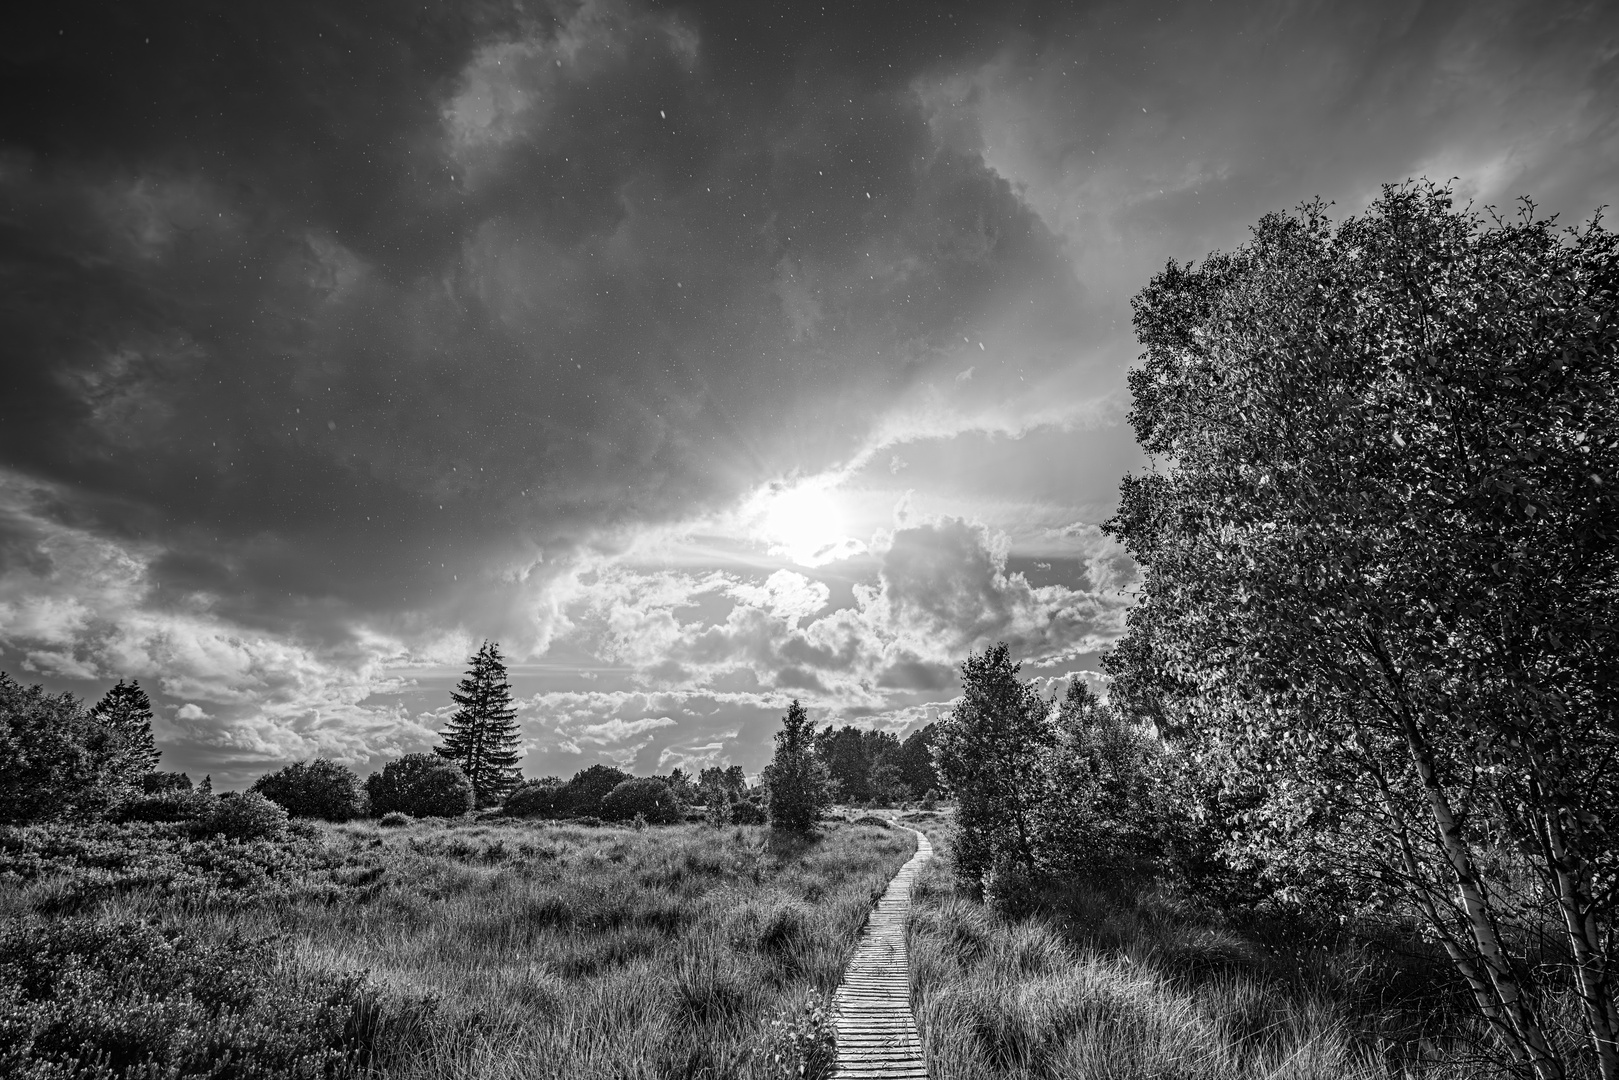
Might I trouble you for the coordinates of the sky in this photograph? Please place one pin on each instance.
(703, 355)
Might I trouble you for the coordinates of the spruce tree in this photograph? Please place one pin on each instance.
(127, 710)
(482, 736)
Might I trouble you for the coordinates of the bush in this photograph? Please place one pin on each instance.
(736, 811)
(582, 796)
(55, 761)
(173, 805)
(873, 819)
(533, 798)
(802, 1042)
(161, 783)
(244, 816)
(321, 789)
(646, 796)
(421, 785)
(393, 819)
(140, 1000)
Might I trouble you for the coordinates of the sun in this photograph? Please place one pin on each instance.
(807, 523)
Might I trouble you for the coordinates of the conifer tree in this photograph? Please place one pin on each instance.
(482, 735)
(127, 710)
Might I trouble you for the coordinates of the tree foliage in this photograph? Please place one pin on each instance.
(797, 783)
(318, 789)
(863, 764)
(915, 762)
(1100, 814)
(56, 760)
(421, 785)
(1381, 572)
(533, 798)
(990, 752)
(719, 785)
(582, 795)
(481, 736)
(127, 710)
(646, 796)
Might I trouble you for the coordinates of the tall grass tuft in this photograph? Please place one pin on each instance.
(1097, 983)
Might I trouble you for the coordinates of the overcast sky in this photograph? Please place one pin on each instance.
(703, 355)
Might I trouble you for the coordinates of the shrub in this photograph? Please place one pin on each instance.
(245, 815)
(320, 789)
(161, 783)
(802, 1042)
(174, 805)
(873, 819)
(421, 785)
(745, 812)
(644, 796)
(394, 819)
(533, 798)
(582, 796)
(139, 1000)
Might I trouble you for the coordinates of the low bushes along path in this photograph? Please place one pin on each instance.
(877, 1037)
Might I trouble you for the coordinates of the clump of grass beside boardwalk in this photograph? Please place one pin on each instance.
(1112, 979)
(492, 949)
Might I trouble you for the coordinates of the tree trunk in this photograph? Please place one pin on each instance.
(1475, 905)
(1485, 993)
(1590, 968)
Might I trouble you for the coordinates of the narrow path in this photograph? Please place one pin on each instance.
(877, 1037)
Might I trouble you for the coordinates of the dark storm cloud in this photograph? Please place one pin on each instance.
(351, 304)
(332, 334)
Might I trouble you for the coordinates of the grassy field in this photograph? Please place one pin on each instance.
(1103, 985)
(500, 949)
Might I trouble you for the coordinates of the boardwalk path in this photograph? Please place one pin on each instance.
(876, 1032)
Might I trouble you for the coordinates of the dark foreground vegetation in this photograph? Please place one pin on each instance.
(1353, 800)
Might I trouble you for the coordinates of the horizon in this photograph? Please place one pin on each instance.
(704, 356)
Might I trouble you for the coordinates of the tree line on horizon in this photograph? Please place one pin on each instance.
(61, 761)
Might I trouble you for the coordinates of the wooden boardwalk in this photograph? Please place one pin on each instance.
(877, 1037)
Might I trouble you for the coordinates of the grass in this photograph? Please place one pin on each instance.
(1099, 983)
(527, 949)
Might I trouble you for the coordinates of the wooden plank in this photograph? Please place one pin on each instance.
(877, 1036)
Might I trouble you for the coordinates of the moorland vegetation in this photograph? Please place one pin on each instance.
(155, 928)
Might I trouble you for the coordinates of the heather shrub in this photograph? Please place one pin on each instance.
(533, 798)
(421, 785)
(176, 860)
(319, 789)
(172, 805)
(244, 815)
(394, 819)
(142, 1000)
(644, 796)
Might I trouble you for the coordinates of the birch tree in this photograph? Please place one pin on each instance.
(1381, 572)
